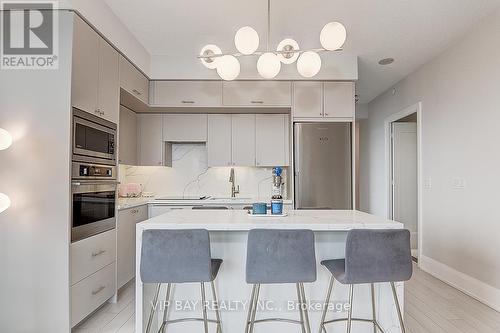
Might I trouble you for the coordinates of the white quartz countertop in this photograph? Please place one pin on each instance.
(125, 203)
(238, 220)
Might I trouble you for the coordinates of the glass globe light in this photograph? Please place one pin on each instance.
(5, 139)
(246, 40)
(268, 65)
(288, 45)
(4, 202)
(228, 67)
(333, 36)
(309, 64)
(208, 50)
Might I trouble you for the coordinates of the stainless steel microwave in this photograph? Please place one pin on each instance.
(94, 139)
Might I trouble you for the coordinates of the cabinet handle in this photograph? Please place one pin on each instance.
(187, 102)
(326, 114)
(98, 290)
(136, 92)
(257, 102)
(96, 254)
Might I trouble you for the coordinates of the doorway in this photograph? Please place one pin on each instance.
(403, 172)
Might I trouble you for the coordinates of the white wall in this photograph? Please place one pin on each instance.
(460, 136)
(190, 176)
(34, 172)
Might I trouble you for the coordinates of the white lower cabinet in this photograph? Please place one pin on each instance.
(93, 274)
(90, 293)
(91, 254)
(125, 243)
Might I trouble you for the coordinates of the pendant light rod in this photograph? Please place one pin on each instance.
(268, 23)
(237, 54)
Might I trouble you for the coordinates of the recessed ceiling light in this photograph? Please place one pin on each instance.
(386, 61)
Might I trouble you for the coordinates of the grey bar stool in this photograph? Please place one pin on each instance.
(179, 256)
(371, 256)
(280, 256)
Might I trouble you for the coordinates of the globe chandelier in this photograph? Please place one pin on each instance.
(332, 38)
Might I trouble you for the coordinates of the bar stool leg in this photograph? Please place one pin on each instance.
(396, 301)
(204, 307)
(372, 287)
(299, 296)
(306, 313)
(256, 305)
(250, 309)
(325, 305)
(349, 316)
(165, 311)
(217, 309)
(151, 314)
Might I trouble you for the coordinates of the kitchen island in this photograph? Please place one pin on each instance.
(228, 234)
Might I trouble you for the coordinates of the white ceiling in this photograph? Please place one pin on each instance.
(411, 31)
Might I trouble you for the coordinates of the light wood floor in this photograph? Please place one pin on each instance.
(430, 306)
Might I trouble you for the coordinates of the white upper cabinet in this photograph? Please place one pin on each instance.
(85, 70)
(108, 97)
(272, 140)
(133, 81)
(127, 137)
(95, 78)
(308, 99)
(150, 139)
(243, 139)
(339, 100)
(185, 127)
(187, 93)
(257, 93)
(219, 140)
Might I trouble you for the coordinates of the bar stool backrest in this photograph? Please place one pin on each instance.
(382, 255)
(175, 256)
(280, 256)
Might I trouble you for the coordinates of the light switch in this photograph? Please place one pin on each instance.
(459, 183)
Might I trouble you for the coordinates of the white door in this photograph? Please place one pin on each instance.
(404, 173)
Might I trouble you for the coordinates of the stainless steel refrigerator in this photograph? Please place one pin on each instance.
(323, 165)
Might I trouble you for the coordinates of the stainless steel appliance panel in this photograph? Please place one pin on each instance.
(323, 165)
(93, 208)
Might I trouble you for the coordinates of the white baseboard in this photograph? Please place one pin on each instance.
(465, 283)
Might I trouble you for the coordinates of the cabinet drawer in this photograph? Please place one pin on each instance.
(91, 254)
(257, 93)
(90, 293)
(188, 93)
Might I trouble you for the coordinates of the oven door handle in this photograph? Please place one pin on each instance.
(95, 183)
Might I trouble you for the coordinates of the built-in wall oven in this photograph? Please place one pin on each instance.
(93, 191)
(93, 139)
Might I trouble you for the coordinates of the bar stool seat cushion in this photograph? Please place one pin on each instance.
(280, 256)
(336, 268)
(373, 256)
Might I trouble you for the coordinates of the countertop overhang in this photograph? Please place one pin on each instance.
(238, 220)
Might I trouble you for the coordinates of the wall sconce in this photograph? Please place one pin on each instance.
(4, 202)
(5, 139)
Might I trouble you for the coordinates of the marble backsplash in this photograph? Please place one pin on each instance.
(191, 176)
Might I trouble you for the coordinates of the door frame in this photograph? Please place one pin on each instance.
(415, 108)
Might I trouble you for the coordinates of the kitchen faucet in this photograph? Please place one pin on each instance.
(234, 190)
